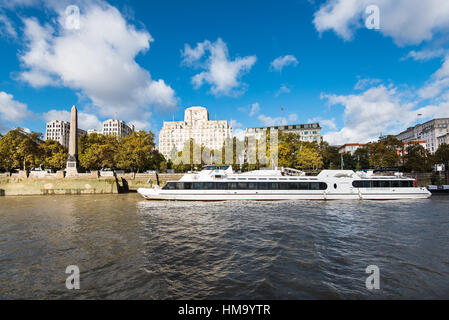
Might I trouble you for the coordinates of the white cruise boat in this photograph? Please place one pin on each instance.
(220, 183)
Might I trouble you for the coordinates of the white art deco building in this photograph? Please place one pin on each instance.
(117, 128)
(209, 133)
(60, 131)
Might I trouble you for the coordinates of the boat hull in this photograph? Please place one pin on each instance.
(183, 195)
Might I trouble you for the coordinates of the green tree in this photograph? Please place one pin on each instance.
(418, 159)
(442, 155)
(289, 145)
(330, 155)
(137, 152)
(308, 157)
(53, 155)
(97, 151)
(349, 161)
(361, 157)
(385, 153)
(19, 149)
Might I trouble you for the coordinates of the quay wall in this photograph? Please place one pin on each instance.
(134, 181)
(56, 184)
(21, 184)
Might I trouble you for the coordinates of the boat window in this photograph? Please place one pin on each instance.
(385, 184)
(242, 185)
(252, 185)
(187, 185)
(198, 185)
(209, 185)
(170, 186)
(357, 184)
(293, 186)
(314, 186)
(221, 186)
(263, 186)
(406, 184)
(274, 186)
(303, 186)
(395, 183)
(335, 186)
(323, 186)
(179, 185)
(232, 186)
(366, 184)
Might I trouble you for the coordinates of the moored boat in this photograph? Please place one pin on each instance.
(220, 183)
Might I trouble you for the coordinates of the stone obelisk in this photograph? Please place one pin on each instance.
(72, 159)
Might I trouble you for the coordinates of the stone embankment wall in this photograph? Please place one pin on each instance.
(41, 183)
(134, 181)
(22, 184)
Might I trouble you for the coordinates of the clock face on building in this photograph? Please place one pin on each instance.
(196, 115)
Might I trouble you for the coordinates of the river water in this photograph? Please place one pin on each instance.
(127, 248)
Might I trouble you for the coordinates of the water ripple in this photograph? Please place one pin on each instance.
(127, 248)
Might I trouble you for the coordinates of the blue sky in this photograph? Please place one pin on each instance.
(254, 63)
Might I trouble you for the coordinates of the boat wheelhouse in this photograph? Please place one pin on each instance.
(220, 183)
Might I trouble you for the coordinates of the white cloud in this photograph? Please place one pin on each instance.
(279, 63)
(98, 60)
(86, 120)
(141, 124)
(366, 82)
(443, 72)
(239, 134)
(328, 123)
(406, 21)
(282, 89)
(6, 27)
(12, 110)
(11, 4)
(221, 73)
(235, 124)
(255, 108)
(424, 55)
(250, 110)
(438, 83)
(377, 110)
(277, 121)
(292, 117)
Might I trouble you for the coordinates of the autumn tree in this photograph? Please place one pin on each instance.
(308, 157)
(97, 151)
(361, 158)
(417, 159)
(331, 157)
(137, 152)
(289, 145)
(385, 153)
(19, 149)
(53, 155)
(442, 155)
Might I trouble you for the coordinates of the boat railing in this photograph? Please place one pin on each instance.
(292, 172)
